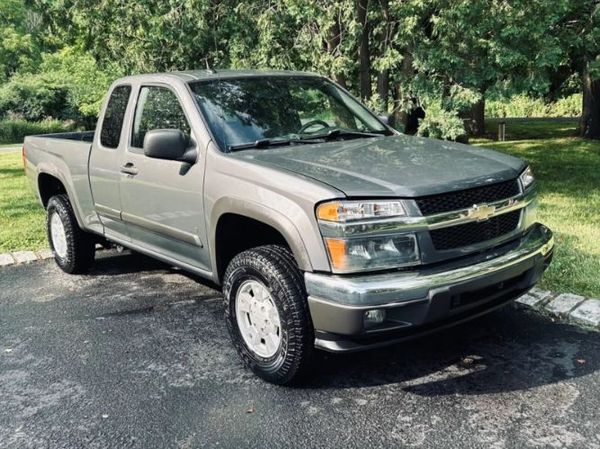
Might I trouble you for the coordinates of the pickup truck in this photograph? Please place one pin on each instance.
(324, 227)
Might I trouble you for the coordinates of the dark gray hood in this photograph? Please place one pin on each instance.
(403, 166)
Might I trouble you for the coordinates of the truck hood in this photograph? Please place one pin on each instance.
(403, 166)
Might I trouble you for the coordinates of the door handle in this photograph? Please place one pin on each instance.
(129, 169)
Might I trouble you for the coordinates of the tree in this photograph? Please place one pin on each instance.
(590, 116)
(586, 49)
(142, 36)
(474, 45)
(18, 47)
(397, 55)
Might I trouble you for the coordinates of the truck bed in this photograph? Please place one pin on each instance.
(65, 156)
(83, 136)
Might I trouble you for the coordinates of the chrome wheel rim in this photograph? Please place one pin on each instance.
(258, 319)
(59, 236)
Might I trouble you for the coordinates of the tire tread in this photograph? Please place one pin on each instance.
(80, 244)
(280, 265)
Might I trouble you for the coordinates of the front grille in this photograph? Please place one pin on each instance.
(475, 232)
(463, 199)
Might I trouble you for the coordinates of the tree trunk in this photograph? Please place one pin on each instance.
(590, 116)
(333, 42)
(400, 116)
(478, 117)
(383, 77)
(383, 88)
(364, 57)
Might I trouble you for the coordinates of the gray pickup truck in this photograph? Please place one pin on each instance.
(325, 227)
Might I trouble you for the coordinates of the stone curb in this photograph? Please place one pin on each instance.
(19, 257)
(567, 307)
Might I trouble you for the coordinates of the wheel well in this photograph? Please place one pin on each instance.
(236, 233)
(48, 186)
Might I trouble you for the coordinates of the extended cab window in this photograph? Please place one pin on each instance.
(157, 108)
(113, 117)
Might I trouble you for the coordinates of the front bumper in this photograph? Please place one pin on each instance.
(417, 302)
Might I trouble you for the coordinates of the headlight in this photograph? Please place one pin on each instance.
(527, 178)
(362, 241)
(344, 211)
(372, 253)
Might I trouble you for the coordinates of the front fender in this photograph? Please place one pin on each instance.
(263, 214)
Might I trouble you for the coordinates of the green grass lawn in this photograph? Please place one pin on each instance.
(533, 129)
(567, 169)
(21, 217)
(568, 173)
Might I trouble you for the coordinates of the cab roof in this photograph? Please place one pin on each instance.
(199, 75)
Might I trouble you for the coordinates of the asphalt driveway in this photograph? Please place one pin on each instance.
(137, 355)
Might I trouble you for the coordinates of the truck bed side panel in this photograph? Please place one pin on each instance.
(65, 156)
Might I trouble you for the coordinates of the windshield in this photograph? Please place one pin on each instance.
(272, 108)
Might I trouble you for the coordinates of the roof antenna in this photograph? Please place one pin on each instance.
(208, 68)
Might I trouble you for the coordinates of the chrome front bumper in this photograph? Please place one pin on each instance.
(412, 299)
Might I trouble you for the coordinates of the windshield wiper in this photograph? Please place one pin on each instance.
(339, 132)
(265, 143)
(330, 135)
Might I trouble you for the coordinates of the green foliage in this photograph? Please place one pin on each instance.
(69, 85)
(15, 130)
(35, 97)
(516, 106)
(18, 47)
(457, 51)
(86, 82)
(144, 36)
(440, 123)
(525, 106)
(567, 107)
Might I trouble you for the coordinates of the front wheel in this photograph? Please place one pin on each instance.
(73, 248)
(267, 313)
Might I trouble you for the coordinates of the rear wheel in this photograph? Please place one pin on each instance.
(73, 248)
(267, 313)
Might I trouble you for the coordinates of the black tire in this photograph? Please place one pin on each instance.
(274, 266)
(81, 246)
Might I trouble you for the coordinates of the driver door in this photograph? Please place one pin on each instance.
(162, 200)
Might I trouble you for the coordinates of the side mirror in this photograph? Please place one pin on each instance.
(170, 144)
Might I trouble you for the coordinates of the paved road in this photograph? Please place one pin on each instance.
(138, 356)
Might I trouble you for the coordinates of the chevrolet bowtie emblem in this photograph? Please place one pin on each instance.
(480, 212)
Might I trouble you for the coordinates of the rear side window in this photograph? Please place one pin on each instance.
(157, 108)
(113, 117)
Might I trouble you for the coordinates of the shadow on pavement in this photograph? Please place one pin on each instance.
(130, 262)
(508, 350)
(114, 263)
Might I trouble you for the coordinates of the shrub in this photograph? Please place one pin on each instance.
(516, 106)
(14, 131)
(87, 83)
(69, 86)
(567, 107)
(36, 97)
(525, 106)
(441, 124)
